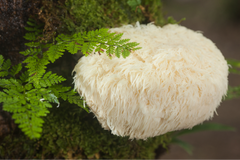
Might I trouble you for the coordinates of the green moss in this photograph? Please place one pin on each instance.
(87, 15)
(73, 16)
(69, 132)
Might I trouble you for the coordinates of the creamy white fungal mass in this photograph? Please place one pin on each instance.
(176, 81)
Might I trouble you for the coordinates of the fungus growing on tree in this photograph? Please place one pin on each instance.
(176, 81)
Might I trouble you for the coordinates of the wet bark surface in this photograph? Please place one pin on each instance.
(13, 17)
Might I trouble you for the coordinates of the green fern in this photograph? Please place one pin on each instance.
(4, 66)
(93, 41)
(55, 52)
(68, 94)
(50, 79)
(16, 69)
(103, 40)
(86, 42)
(29, 94)
(36, 68)
(29, 103)
(33, 27)
(26, 107)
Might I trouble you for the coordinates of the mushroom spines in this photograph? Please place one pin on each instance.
(175, 81)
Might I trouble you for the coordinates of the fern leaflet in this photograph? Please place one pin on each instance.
(50, 79)
(16, 69)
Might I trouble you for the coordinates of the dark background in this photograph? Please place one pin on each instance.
(219, 20)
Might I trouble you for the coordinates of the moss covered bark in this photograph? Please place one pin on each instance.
(69, 131)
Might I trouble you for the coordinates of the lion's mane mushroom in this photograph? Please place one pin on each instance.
(176, 81)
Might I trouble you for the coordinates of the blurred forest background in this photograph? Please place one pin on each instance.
(219, 20)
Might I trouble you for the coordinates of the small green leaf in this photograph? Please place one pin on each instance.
(234, 66)
(125, 53)
(31, 23)
(30, 29)
(134, 3)
(118, 51)
(187, 147)
(30, 36)
(32, 44)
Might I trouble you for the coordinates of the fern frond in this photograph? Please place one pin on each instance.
(7, 98)
(63, 38)
(3, 73)
(30, 36)
(123, 41)
(4, 67)
(37, 104)
(51, 98)
(50, 79)
(30, 124)
(31, 29)
(118, 51)
(31, 24)
(58, 89)
(11, 83)
(76, 100)
(16, 69)
(114, 38)
(28, 118)
(68, 94)
(72, 47)
(125, 53)
(100, 40)
(73, 97)
(34, 33)
(56, 51)
(31, 51)
(88, 47)
(12, 103)
(24, 76)
(36, 67)
(28, 86)
(65, 95)
(33, 44)
(26, 104)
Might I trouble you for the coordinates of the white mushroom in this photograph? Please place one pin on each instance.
(176, 81)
